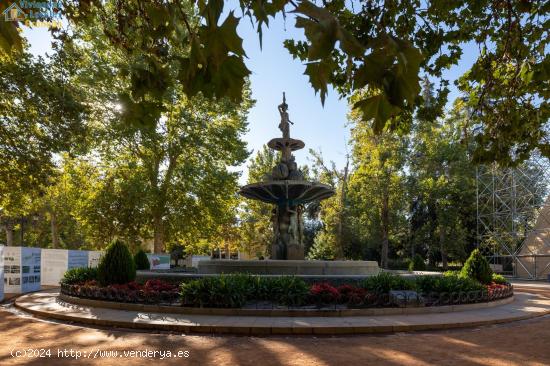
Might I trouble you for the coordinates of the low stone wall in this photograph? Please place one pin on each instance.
(283, 312)
(289, 267)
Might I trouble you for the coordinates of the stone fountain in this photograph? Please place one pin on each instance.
(286, 188)
(288, 191)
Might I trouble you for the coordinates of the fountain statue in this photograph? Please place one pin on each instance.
(286, 188)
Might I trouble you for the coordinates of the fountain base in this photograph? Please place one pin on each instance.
(289, 267)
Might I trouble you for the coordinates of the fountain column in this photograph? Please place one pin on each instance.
(287, 189)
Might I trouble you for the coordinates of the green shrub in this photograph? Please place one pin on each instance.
(289, 290)
(234, 291)
(447, 283)
(477, 268)
(141, 260)
(417, 263)
(117, 265)
(451, 273)
(322, 249)
(79, 275)
(384, 282)
(224, 291)
(499, 279)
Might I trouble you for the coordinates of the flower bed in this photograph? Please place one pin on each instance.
(151, 292)
(238, 291)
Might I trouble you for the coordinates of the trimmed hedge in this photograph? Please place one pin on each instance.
(477, 268)
(141, 260)
(417, 263)
(447, 283)
(117, 265)
(499, 279)
(384, 282)
(79, 275)
(233, 291)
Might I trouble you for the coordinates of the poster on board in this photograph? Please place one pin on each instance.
(1, 273)
(159, 261)
(193, 260)
(21, 269)
(55, 262)
(94, 256)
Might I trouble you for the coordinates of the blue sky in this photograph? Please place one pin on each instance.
(274, 71)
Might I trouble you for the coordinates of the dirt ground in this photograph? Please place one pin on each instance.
(23, 339)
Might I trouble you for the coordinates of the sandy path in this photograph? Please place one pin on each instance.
(519, 343)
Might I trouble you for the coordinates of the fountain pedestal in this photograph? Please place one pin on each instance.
(290, 267)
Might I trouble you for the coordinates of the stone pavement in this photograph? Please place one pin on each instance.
(46, 304)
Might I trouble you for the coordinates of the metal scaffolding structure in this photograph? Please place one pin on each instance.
(513, 218)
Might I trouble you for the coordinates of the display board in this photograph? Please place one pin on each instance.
(21, 269)
(193, 260)
(94, 257)
(55, 262)
(1, 273)
(159, 261)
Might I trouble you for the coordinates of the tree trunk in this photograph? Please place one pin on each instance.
(340, 228)
(55, 230)
(385, 216)
(443, 248)
(22, 232)
(227, 252)
(9, 234)
(158, 227)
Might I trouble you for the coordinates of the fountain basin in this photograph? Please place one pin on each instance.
(293, 192)
(289, 267)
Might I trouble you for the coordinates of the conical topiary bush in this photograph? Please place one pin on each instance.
(142, 263)
(477, 268)
(117, 265)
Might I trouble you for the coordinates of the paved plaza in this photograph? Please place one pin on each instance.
(517, 343)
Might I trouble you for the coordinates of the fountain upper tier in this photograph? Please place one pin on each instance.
(286, 185)
(291, 192)
(282, 144)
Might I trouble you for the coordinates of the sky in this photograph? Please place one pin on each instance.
(274, 72)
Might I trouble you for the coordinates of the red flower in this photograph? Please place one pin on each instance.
(324, 293)
(351, 294)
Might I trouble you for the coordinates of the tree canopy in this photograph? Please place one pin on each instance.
(381, 46)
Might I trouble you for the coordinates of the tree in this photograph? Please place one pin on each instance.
(377, 185)
(163, 155)
(381, 46)
(40, 116)
(256, 229)
(334, 210)
(442, 188)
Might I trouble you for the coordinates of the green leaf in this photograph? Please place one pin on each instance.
(9, 38)
(228, 34)
(319, 76)
(322, 36)
(378, 109)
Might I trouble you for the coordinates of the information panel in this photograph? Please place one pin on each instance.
(21, 269)
(1, 273)
(159, 261)
(55, 262)
(193, 260)
(94, 257)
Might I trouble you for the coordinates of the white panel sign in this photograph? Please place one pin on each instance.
(21, 269)
(159, 261)
(1, 273)
(94, 257)
(55, 262)
(193, 260)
